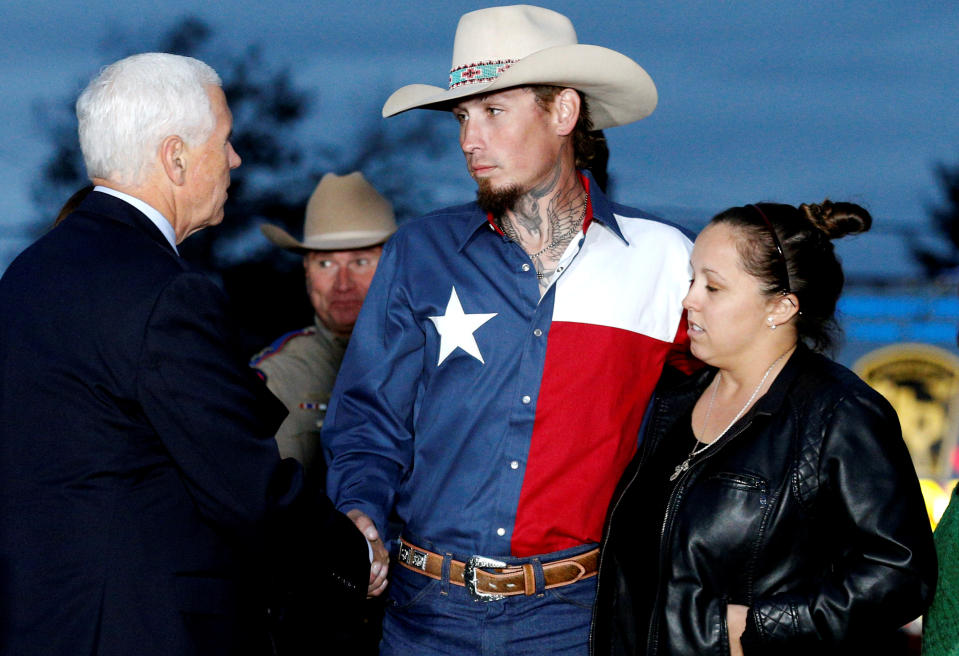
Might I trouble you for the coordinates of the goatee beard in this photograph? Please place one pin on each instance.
(497, 201)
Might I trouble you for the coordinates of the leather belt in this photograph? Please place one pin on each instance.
(506, 580)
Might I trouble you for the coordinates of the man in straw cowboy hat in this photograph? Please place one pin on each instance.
(347, 221)
(507, 351)
(345, 226)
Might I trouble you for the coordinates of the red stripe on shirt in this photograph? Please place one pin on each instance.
(585, 432)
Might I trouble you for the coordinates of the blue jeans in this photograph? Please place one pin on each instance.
(426, 617)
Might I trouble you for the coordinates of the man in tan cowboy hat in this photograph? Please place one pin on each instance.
(347, 221)
(507, 351)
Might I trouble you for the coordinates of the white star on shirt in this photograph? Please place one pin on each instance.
(456, 329)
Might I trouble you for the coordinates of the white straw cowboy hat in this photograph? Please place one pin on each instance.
(503, 47)
(344, 212)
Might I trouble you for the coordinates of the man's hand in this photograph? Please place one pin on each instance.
(381, 557)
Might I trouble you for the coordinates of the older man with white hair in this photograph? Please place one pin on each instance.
(141, 491)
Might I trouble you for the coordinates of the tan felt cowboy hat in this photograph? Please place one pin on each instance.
(504, 47)
(344, 212)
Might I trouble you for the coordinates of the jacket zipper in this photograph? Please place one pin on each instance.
(603, 542)
(652, 642)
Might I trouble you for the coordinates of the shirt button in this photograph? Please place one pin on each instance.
(501, 532)
(525, 267)
(538, 332)
(514, 465)
(526, 400)
(560, 269)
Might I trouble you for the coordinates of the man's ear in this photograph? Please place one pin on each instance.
(173, 158)
(566, 107)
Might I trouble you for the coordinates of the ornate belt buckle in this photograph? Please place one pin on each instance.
(469, 576)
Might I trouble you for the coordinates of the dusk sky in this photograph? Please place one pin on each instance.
(759, 100)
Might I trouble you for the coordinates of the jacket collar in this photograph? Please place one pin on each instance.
(601, 207)
(111, 207)
(769, 403)
(152, 213)
(774, 399)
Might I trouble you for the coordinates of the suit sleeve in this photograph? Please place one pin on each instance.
(368, 430)
(217, 419)
(885, 574)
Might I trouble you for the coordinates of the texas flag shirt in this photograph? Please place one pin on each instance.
(498, 422)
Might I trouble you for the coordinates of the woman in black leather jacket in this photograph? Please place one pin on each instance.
(772, 506)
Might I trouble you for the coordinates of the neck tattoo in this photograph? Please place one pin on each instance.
(698, 447)
(557, 239)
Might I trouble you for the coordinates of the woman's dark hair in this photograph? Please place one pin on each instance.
(789, 249)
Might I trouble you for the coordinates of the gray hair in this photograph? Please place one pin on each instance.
(132, 105)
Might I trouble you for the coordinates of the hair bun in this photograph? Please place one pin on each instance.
(837, 220)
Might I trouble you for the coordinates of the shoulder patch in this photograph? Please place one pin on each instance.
(279, 343)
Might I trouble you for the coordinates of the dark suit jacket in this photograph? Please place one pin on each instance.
(141, 492)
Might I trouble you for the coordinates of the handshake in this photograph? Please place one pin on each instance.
(379, 556)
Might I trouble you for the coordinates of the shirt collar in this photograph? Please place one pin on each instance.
(149, 211)
(327, 334)
(599, 210)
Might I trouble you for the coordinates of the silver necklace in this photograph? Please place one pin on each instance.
(556, 241)
(699, 447)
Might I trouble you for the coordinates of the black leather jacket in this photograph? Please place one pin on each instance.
(808, 511)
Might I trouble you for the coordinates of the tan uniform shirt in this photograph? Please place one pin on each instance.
(300, 369)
